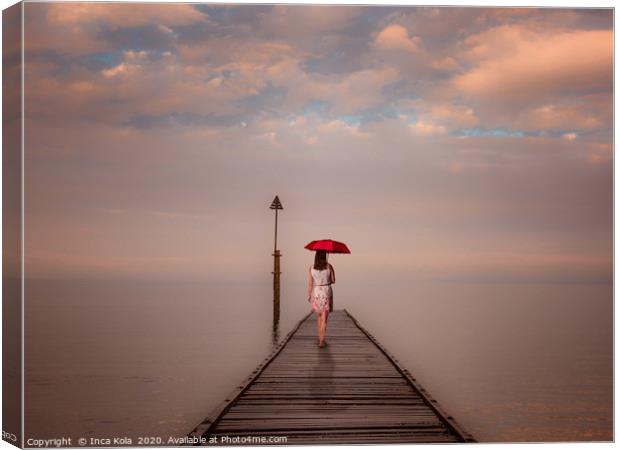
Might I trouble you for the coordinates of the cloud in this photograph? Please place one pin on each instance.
(122, 15)
(357, 91)
(422, 128)
(303, 20)
(81, 28)
(585, 115)
(397, 37)
(450, 116)
(587, 112)
(517, 64)
(570, 136)
(445, 64)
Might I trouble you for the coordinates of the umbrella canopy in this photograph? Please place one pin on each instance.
(329, 246)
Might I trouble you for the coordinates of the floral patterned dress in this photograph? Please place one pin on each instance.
(321, 295)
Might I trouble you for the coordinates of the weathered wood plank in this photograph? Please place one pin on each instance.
(352, 391)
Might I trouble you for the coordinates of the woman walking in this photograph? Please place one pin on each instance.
(320, 293)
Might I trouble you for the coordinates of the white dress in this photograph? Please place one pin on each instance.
(321, 295)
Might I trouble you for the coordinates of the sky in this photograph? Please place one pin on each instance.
(440, 143)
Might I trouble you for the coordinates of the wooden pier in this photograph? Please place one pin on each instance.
(350, 392)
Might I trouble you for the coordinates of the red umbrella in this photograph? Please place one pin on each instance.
(329, 246)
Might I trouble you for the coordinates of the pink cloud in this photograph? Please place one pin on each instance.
(422, 128)
(122, 15)
(73, 28)
(299, 20)
(518, 64)
(446, 64)
(550, 116)
(397, 37)
(580, 112)
(570, 136)
(446, 115)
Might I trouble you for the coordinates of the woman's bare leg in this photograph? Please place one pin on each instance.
(323, 324)
(326, 315)
(318, 326)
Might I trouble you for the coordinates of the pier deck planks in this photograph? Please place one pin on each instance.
(351, 391)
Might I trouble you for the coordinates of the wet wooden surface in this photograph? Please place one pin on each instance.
(351, 391)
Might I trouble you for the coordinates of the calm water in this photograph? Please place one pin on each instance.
(510, 362)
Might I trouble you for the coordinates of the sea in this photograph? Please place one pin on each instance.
(151, 359)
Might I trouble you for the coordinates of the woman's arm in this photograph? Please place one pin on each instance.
(332, 273)
(310, 282)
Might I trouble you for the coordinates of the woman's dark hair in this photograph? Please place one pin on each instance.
(320, 260)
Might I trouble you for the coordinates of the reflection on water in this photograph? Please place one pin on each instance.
(522, 363)
(275, 332)
(275, 329)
